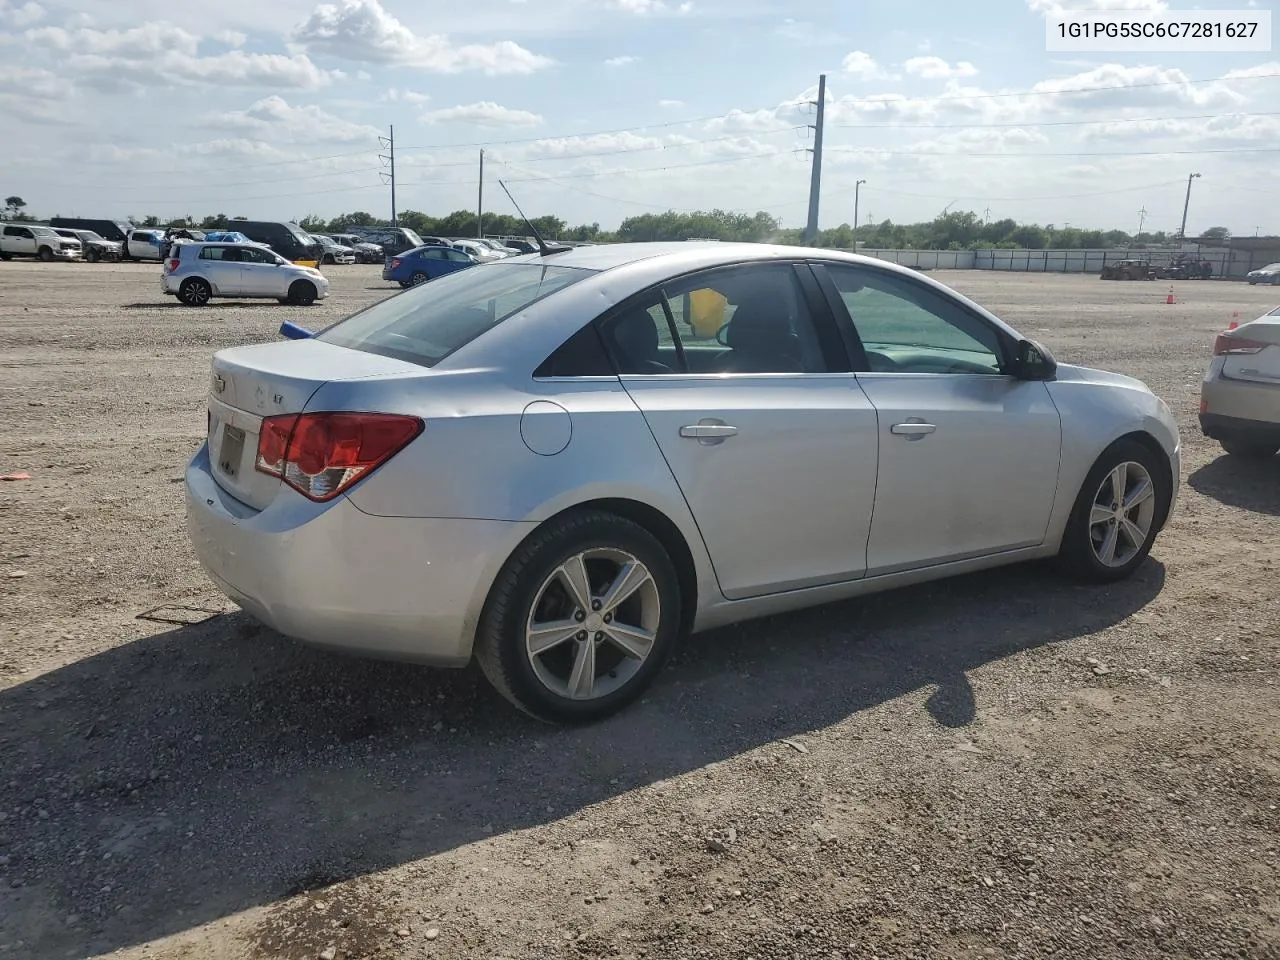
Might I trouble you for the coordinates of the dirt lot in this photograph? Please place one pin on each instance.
(1004, 766)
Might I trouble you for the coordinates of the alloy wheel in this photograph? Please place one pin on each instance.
(593, 623)
(1122, 514)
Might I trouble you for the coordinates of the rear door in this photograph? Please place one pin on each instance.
(764, 427)
(969, 455)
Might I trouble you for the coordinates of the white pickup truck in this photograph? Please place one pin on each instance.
(35, 240)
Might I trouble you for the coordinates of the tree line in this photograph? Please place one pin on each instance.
(953, 230)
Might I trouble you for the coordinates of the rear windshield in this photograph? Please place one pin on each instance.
(427, 323)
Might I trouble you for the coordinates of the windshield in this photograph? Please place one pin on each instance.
(412, 237)
(89, 236)
(297, 234)
(427, 323)
(43, 232)
(1272, 266)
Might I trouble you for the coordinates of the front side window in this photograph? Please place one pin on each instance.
(427, 323)
(748, 319)
(908, 328)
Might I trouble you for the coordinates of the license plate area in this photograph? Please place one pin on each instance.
(231, 450)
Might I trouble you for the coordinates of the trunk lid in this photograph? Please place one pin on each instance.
(249, 384)
(1260, 367)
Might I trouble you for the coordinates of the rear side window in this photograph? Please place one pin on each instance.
(426, 324)
(212, 253)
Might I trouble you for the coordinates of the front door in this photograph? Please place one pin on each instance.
(968, 454)
(767, 433)
(259, 274)
(221, 267)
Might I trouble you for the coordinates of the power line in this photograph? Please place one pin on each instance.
(1069, 153)
(1065, 196)
(1041, 123)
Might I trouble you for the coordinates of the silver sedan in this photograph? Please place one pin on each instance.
(559, 464)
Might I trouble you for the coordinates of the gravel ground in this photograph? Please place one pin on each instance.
(1004, 765)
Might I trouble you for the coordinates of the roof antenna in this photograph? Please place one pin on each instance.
(543, 249)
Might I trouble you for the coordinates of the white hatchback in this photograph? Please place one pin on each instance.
(195, 273)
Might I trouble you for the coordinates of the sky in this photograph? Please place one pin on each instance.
(597, 110)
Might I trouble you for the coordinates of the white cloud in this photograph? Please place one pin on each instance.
(32, 82)
(1121, 87)
(643, 7)
(161, 54)
(935, 68)
(485, 113)
(621, 61)
(232, 38)
(362, 31)
(1055, 7)
(396, 95)
(861, 64)
(669, 104)
(1247, 73)
(20, 15)
(273, 118)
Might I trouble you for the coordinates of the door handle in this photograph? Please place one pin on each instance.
(708, 431)
(913, 430)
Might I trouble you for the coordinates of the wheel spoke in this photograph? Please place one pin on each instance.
(582, 680)
(542, 637)
(631, 577)
(573, 575)
(1119, 480)
(635, 642)
(1099, 514)
(1133, 533)
(1140, 493)
(1107, 549)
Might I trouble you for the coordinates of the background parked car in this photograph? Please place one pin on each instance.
(117, 231)
(477, 249)
(287, 239)
(425, 263)
(365, 251)
(144, 244)
(35, 240)
(498, 247)
(1268, 274)
(199, 271)
(392, 240)
(94, 247)
(332, 251)
(1240, 394)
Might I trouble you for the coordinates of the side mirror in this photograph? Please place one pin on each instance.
(1034, 361)
(291, 331)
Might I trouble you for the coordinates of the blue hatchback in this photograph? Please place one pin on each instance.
(425, 263)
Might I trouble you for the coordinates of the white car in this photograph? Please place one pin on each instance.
(197, 272)
(1268, 274)
(558, 464)
(1240, 393)
(35, 240)
(143, 244)
(480, 251)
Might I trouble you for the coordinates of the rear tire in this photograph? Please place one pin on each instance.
(93, 256)
(195, 292)
(580, 675)
(45, 254)
(302, 293)
(1250, 449)
(418, 279)
(1098, 543)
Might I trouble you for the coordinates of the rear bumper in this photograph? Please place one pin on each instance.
(1229, 404)
(1217, 427)
(328, 574)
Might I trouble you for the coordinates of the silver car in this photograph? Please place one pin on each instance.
(195, 273)
(1268, 274)
(1240, 393)
(559, 464)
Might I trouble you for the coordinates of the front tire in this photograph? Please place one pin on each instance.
(1117, 514)
(580, 619)
(45, 254)
(327, 259)
(302, 293)
(93, 256)
(195, 292)
(1250, 449)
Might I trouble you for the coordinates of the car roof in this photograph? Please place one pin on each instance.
(700, 253)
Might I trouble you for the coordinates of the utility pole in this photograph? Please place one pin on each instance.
(480, 201)
(1142, 218)
(390, 157)
(986, 215)
(855, 212)
(1182, 231)
(815, 177)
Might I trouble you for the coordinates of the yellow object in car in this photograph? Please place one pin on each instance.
(308, 263)
(706, 312)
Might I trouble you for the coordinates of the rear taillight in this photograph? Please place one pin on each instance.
(1227, 345)
(395, 262)
(172, 265)
(322, 454)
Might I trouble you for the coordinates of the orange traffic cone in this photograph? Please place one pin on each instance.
(1233, 325)
(1169, 298)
